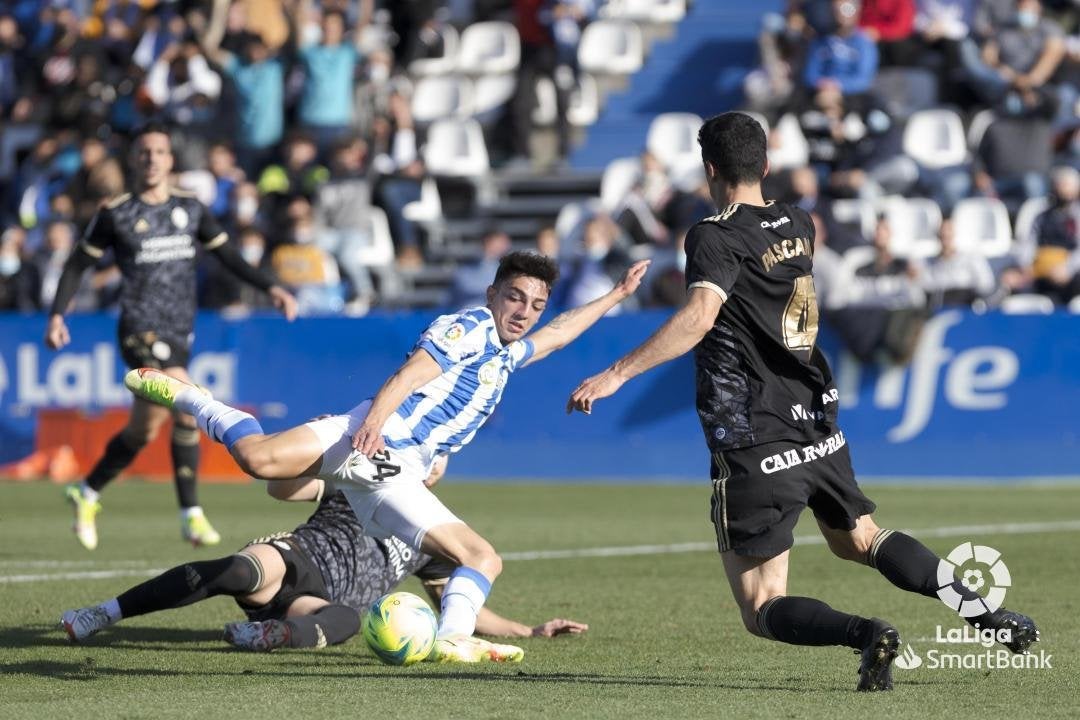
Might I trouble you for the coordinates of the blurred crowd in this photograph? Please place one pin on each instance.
(292, 120)
(936, 144)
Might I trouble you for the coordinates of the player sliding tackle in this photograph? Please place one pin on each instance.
(768, 407)
(380, 452)
(302, 589)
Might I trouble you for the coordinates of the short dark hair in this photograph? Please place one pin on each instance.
(150, 128)
(529, 264)
(734, 144)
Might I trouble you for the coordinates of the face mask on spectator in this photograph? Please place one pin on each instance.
(9, 265)
(252, 254)
(246, 207)
(596, 252)
(1027, 19)
(379, 73)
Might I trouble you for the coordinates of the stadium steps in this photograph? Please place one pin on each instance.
(700, 69)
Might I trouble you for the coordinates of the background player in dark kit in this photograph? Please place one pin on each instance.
(152, 233)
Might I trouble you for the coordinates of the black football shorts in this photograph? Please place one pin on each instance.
(302, 577)
(760, 491)
(148, 349)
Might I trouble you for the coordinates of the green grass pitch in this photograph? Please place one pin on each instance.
(665, 638)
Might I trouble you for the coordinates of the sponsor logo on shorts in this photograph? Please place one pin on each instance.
(798, 456)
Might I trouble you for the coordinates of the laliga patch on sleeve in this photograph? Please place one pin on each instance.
(453, 333)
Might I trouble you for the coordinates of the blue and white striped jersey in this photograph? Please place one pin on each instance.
(444, 414)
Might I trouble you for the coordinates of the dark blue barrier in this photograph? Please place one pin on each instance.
(986, 396)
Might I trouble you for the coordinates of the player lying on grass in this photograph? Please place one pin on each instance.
(768, 407)
(379, 453)
(301, 589)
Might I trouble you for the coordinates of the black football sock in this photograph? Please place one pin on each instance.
(806, 621)
(185, 584)
(185, 459)
(329, 625)
(911, 566)
(118, 455)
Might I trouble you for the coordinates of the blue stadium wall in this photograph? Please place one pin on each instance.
(986, 395)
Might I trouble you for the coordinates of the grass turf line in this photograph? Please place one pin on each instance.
(665, 638)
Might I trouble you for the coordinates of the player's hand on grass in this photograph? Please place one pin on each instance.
(284, 301)
(631, 279)
(368, 440)
(558, 626)
(56, 333)
(592, 389)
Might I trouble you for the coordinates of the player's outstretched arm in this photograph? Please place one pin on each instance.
(417, 371)
(680, 333)
(56, 331)
(491, 623)
(566, 327)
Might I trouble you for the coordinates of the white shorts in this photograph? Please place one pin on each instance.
(387, 495)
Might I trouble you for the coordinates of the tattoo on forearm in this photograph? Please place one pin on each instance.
(564, 318)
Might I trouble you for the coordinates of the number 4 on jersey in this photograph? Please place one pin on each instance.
(800, 321)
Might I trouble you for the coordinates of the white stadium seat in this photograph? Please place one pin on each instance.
(856, 212)
(571, 220)
(672, 139)
(1027, 304)
(982, 226)
(490, 94)
(456, 147)
(489, 48)
(439, 65)
(1074, 305)
(428, 208)
(584, 102)
(442, 96)
(380, 248)
(788, 147)
(650, 11)
(914, 223)
(977, 128)
(1024, 228)
(935, 139)
(611, 47)
(620, 176)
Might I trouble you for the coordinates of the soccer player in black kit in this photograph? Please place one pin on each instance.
(302, 589)
(768, 406)
(153, 233)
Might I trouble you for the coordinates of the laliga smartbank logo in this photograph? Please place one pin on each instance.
(980, 570)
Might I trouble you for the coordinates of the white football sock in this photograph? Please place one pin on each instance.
(462, 599)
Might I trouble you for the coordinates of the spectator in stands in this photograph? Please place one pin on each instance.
(829, 281)
(221, 162)
(539, 58)
(330, 65)
(48, 261)
(302, 265)
(955, 277)
(1016, 64)
(343, 218)
(98, 179)
(638, 212)
(891, 24)
(782, 48)
(668, 285)
(472, 280)
(246, 207)
(259, 79)
(10, 42)
(298, 173)
(547, 242)
(404, 172)
(1057, 230)
(599, 266)
(884, 280)
(224, 291)
(19, 280)
(844, 62)
(1014, 159)
(942, 28)
(181, 84)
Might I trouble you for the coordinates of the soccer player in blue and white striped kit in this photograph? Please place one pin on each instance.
(379, 454)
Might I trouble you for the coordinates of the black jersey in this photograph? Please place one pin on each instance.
(356, 568)
(155, 249)
(760, 376)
